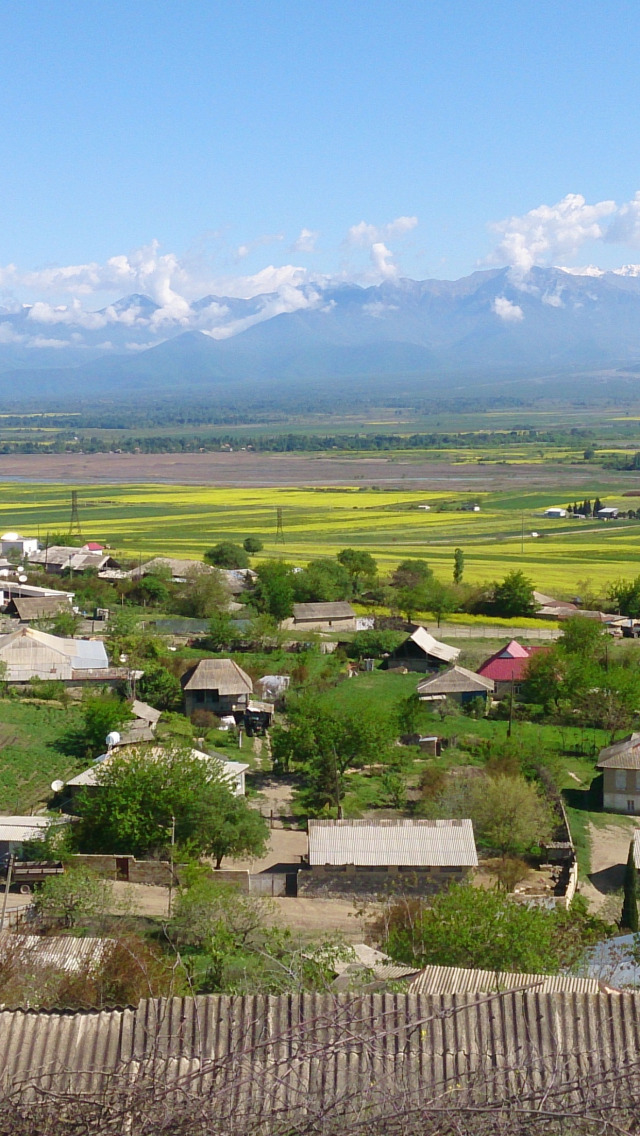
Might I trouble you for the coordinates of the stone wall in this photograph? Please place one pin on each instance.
(157, 872)
(336, 883)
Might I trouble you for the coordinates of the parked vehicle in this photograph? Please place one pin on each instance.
(26, 873)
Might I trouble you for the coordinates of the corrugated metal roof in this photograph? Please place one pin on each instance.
(304, 1053)
(16, 828)
(400, 843)
(321, 611)
(179, 569)
(26, 647)
(144, 711)
(455, 680)
(458, 980)
(229, 770)
(423, 639)
(37, 608)
(622, 755)
(64, 952)
(222, 675)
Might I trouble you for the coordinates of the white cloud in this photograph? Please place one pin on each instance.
(268, 239)
(553, 299)
(8, 334)
(306, 241)
(506, 310)
(550, 232)
(42, 341)
(625, 227)
(364, 234)
(382, 263)
(378, 309)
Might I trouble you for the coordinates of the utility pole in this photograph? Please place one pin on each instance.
(279, 527)
(510, 709)
(7, 885)
(173, 843)
(522, 537)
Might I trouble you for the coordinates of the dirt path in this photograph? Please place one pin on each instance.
(609, 851)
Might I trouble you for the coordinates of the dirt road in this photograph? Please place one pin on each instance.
(609, 851)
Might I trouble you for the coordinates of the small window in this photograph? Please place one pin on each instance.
(631, 806)
(199, 695)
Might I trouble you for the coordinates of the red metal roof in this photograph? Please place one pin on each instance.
(509, 663)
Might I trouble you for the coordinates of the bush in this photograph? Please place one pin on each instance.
(252, 544)
(204, 719)
(226, 554)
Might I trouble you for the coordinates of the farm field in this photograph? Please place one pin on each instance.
(140, 520)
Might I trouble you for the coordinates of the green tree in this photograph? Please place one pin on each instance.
(274, 590)
(361, 567)
(137, 798)
(458, 566)
(221, 631)
(99, 717)
(441, 601)
(322, 581)
(71, 898)
(584, 637)
(252, 544)
(510, 815)
(514, 596)
(475, 927)
(203, 593)
(160, 688)
(629, 916)
(625, 595)
(411, 574)
(226, 554)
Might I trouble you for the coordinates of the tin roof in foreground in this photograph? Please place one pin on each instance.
(458, 980)
(400, 843)
(304, 1053)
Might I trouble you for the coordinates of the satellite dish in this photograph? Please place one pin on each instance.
(9, 536)
(57, 786)
(22, 579)
(113, 739)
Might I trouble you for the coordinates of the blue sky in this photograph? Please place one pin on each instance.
(244, 134)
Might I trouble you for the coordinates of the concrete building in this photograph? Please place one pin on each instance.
(365, 857)
(507, 668)
(620, 765)
(13, 543)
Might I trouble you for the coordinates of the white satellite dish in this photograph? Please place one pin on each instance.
(9, 536)
(113, 739)
(22, 579)
(57, 786)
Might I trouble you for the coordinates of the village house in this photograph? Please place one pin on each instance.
(620, 765)
(338, 616)
(29, 654)
(507, 669)
(14, 589)
(231, 772)
(457, 683)
(15, 830)
(30, 608)
(178, 571)
(12, 544)
(217, 685)
(372, 856)
(62, 558)
(421, 652)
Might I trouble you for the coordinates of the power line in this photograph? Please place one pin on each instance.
(279, 527)
(74, 524)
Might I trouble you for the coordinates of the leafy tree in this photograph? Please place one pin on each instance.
(151, 590)
(510, 815)
(373, 644)
(625, 595)
(226, 554)
(65, 624)
(252, 544)
(73, 897)
(629, 916)
(514, 596)
(131, 809)
(240, 951)
(160, 688)
(584, 637)
(441, 600)
(411, 574)
(458, 566)
(322, 581)
(99, 717)
(204, 593)
(361, 567)
(274, 590)
(221, 631)
(474, 927)
(326, 743)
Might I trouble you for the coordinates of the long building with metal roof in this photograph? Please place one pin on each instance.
(322, 1056)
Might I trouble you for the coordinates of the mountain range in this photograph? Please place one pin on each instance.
(494, 327)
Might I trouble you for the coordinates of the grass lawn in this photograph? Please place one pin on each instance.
(29, 757)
